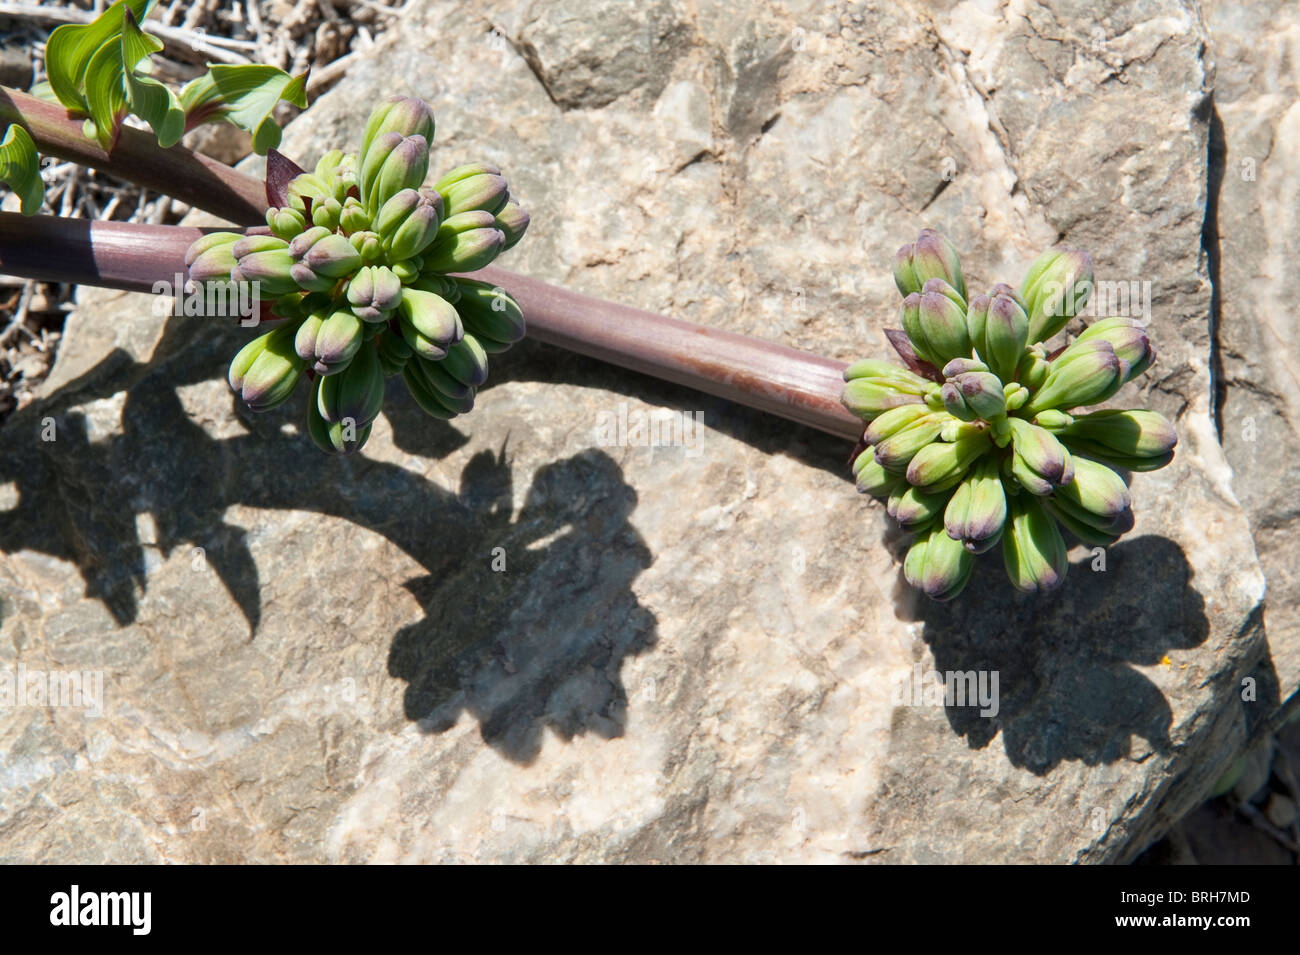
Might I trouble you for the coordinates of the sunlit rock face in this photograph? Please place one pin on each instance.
(602, 618)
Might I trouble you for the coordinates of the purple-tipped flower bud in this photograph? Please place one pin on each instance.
(210, 241)
(1096, 490)
(1033, 550)
(1005, 334)
(465, 243)
(266, 370)
(938, 565)
(270, 269)
(404, 166)
(374, 293)
(213, 265)
(1138, 440)
(1056, 289)
(326, 213)
(403, 115)
(356, 393)
(1127, 338)
(465, 172)
(512, 220)
(285, 223)
(432, 317)
(977, 510)
(896, 451)
(338, 339)
(941, 465)
(930, 256)
(912, 508)
(353, 218)
(408, 228)
(483, 191)
(1038, 460)
(329, 255)
(942, 327)
(1083, 374)
(974, 395)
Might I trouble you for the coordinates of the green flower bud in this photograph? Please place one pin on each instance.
(465, 243)
(930, 256)
(285, 223)
(489, 312)
(1082, 375)
(1033, 550)
(977, 510)
(893, 421)
(1039, 461)
(896, 451)
(305, 191)
(868, 397)
(512, 220)
(1053, 420)
(1006, 332)
(942, 327)
(271, 270)
(1083, 525)
(403, 167)
(888, 373)
(429, 323)
(326, 213)
(938, 565)
(213, 264)
(1056, 289)
(209, 241)
(266, 370)
(411, 227)
(467, 361)
(465, 172)
(1138, 440)
(329, 164)
(939, 466)
(973, 396)
(356, 392)
(871, 477)
(483, 191)
(374, 293)
(912, 508)
(1097, 490)
(353, 217)
(339, 339)
(304, 341)
(1128, 340)
(1033, 368)
(909, 316)
(400, 115)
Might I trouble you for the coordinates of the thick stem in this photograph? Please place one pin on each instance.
(190, 177)
(773, 378)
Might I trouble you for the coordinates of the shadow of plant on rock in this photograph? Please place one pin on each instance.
(539, 644)
(1066, 686)
(531, 630)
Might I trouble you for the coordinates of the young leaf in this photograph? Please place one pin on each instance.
(20, 167)
(71, 47)
(244, 96)
(106, 93)
(149, 99)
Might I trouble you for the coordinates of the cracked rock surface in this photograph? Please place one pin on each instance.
(500, 640)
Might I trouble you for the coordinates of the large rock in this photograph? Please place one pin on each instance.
(1252, 240)
(498, 640)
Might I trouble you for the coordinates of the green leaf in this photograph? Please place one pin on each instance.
(20, 167)
(106, 93)
(149, 99)
(44, 91)
(244, 96)
(71, 48)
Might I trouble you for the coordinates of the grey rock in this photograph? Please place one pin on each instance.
(1252, 243)
(691, 653)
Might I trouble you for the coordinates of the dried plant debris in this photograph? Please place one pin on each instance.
(324, 36)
